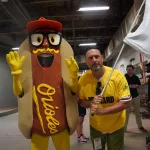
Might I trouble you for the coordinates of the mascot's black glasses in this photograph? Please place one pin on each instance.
(37, 38)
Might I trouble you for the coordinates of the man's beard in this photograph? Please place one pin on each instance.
(96, 67)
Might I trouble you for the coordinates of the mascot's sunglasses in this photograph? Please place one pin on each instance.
(98, 89)
(37, 39)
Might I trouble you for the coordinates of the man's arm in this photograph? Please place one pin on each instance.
(137, 84)
(85, 103)
(121, 105)
(114, 108)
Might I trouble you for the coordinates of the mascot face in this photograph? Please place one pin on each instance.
(45, 45)
(45, 39)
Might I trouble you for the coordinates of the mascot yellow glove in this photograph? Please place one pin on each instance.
(73, 70)
(73, 67)
(15, 63)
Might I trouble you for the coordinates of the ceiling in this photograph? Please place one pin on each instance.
(78, 27)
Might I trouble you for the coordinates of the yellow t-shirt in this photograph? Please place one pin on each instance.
(116, 90)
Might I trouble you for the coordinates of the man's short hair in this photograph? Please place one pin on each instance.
(131, 66)
(92, 47)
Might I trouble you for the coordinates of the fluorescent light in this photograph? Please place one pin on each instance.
(87, 44)
(93, 8)
(15, 48)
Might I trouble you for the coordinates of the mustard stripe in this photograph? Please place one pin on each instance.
(45, 50)
(37, 108)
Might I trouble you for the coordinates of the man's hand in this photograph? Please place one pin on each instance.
(94, 104)
(15, 62)
(73, 67)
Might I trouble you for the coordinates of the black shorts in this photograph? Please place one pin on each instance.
(82, 110)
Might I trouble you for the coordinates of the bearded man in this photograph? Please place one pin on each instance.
(107, 123)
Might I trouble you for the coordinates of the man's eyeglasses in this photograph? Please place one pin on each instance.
(98, 90)
(37, 39)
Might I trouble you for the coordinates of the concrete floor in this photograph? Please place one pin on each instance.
(11, 138)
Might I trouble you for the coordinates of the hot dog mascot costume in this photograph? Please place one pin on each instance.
(44, 74)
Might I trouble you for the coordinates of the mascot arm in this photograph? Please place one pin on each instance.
(74, 86)
(73, 71)
(15, 63)
(17, 88)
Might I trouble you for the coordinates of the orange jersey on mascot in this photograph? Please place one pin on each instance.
(42, 84)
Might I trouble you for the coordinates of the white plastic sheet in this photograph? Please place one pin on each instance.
(140, 39)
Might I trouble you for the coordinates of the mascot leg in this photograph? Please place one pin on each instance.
(39, 142)
(61, 140)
